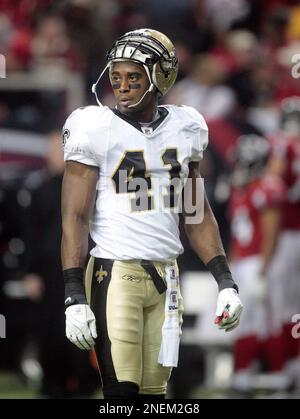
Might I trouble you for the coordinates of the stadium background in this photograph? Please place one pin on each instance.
(235, 67)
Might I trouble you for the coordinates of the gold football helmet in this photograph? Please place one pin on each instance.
(153, 50)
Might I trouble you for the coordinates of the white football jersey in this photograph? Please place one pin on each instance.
(135, 214)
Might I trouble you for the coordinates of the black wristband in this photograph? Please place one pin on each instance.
(219, 268)
(74, 290)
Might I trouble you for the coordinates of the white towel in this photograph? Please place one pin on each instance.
(168, 354)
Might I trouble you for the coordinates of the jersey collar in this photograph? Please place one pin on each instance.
(163, 113)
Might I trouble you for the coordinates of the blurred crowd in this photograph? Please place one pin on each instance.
(233, 54)
(237, 67)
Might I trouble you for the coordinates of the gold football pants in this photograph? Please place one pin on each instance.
(129, 315)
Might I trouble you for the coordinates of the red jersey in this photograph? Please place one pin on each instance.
(288, 149)
(245, 207)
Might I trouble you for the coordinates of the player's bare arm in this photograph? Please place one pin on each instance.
(206, 241)
(204, 236)
(277, 165)
(78, 199)
(270, 220)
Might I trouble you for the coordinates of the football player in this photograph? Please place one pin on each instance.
(255, 210)
(125, 169)
(285, 162)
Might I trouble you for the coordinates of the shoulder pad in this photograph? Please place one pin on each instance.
(89, 116)
(188, 114)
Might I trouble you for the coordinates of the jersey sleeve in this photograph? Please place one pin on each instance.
(199, 130)
(76, 141)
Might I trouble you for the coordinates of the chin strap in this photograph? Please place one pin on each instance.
(150, 90)
(94, 86)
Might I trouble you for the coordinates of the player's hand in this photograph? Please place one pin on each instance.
(229, 309)
(81, 326)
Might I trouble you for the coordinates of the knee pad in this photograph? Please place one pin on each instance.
(124, 390)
